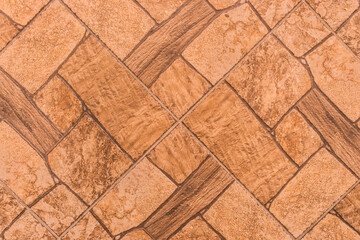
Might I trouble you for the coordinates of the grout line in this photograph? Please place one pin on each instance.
(101, 223)
(195, 70)
(15, 24)
(337, 214)
(11, 223)
(146, 11)
(163, 171)
(212, 228)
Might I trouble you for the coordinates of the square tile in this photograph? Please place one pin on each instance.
(161, 10)
(9, 208)
(350, 33)
(7, 31)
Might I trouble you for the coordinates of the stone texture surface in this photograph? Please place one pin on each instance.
(350, 33)
(221, 4)
(134, 198)
(301, 31)
(107, 88)
(7, 31)
(42, 47)
(271, 80)
(221, 45)
(88, 161)
(161, 10)
(297, 137)
(59, 104)
(137, 234)
(311, 192)
(9, 208)
(178, 154)
(337, 73)
(179, 87)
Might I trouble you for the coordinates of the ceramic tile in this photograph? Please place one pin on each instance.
(161, 10)
(9, 208)
(350, 33)
(221, 4)
(137, 235)
(7, 30)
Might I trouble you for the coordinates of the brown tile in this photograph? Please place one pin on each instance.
(237, 216)
(196, 229)
(9, 208)
(179, 87)
(337, 72)
(332, 228)
(137, 234)
(311, 192)
(22, 169)
(107, 88)
(234, 135)
(350, 33)
(221, 4)
(42, 47)
(161, 9)
(134, 198)
(297, 138)
(7, 31)
(273, 11)
(59, 104)
(301, 31)
(334, 12)
(120, 24)
(22, 11)
(221, 45)
(87, 228)
(349, 208)
(271, 80)
(59, 209)
(88, 161)
(27, 227)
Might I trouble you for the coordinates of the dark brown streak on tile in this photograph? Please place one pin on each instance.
(212, 228)
(11, 223)
(343, 220)
(146, 11)
(207, 182)
(101, 223)
(161, 170)
(155, 53)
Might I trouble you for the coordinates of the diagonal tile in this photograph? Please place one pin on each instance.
(137, 235)
(350, 33)
(221, 4)
(7, 31)
(196, 229)
(161, 10)
(9, 208)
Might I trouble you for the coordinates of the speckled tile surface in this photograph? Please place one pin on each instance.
(180, 119)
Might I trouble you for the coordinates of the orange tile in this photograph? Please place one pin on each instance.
(337, 72)
(137, 235)
(120, 24)
(179, 87)
(59, 209)
(221, 4)
(334, 12)
(271, 80)
(178, 154)
(350, 33)
(7, 31)
(311, 192)
(42, 47)
(22, 169)
(9, 208)
(221, 45)
(234, 135)
(161, 10)
(301, 31)
(237, 216)
(88, 161)
(297, 138)
(134, 198)
(125, 109)
(332, 228)
(59, 103)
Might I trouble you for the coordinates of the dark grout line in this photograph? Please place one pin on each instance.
(101, 223)
(337, 214)
(15, 24)
(317, 45)
(11, 223)
(347, 20)
(146, 11)
(259, 16)
(163, 171)
(212, 228)
(195, 70)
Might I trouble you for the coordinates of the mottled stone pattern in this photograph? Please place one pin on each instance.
(7, 31)
(42, 47)
(137, 234)
(59, 103)
(9, 208)
(88, 161)
(221, 45)
(271, 80)
(178, 154)
(221, 4)
(350, 33)
(161, 10)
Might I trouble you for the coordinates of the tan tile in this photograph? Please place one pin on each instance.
(134, 198)
(237, 216)
(179, 87)
(221, 4)
(7, 31)
(22, 11)
(349, 208)
(27, 227)
(301, 31)
(161, 9)
(137, 235)
(42, 47)
(273, 11)
(120, 24)
(271, 80)
(234, 135)
(59, 103)
(334, 12)
(337, 72)
(59, 209)
(297, 138)
(350, 33)
(196, 229)
(107, 88)
(22, 169)
(88, 161)
(178, 154)
(221, 45)
(332, 228)
(311, 192)
(87, 228)
(9, 208)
